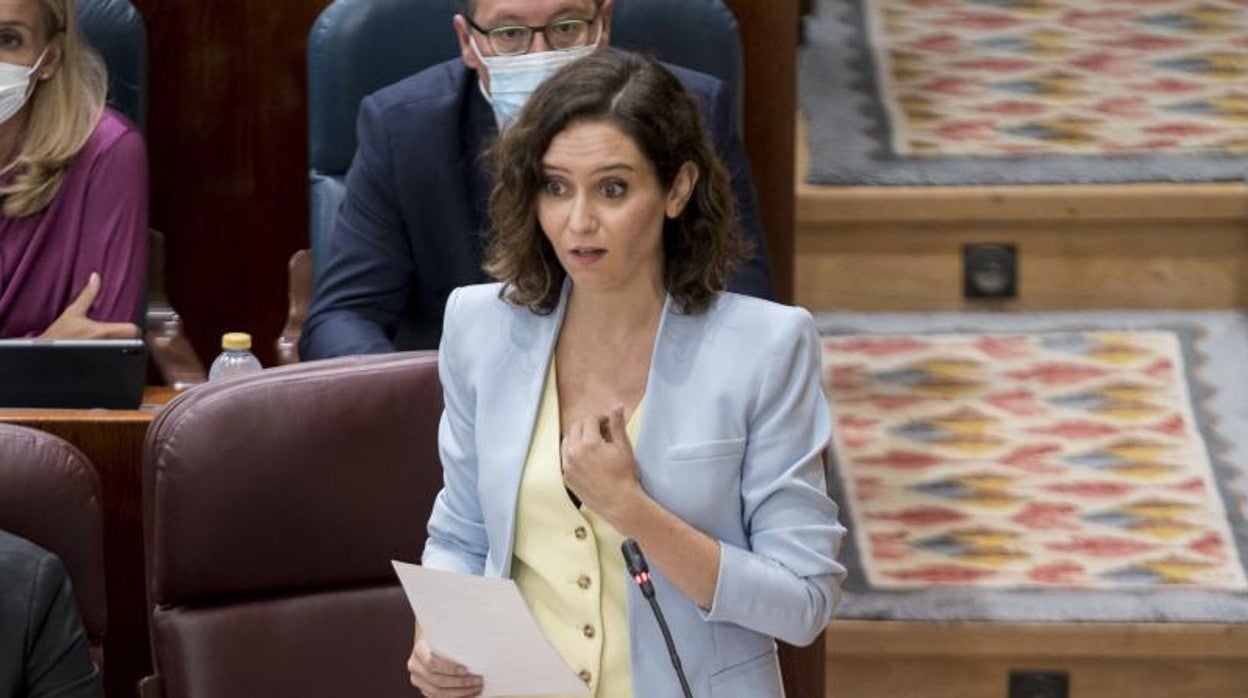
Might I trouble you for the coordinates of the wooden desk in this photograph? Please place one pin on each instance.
(113, 440)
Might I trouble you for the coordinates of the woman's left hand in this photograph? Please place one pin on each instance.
(73, 322)
(599, 466)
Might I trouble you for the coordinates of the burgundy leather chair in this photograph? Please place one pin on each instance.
(273, 505)
(50, 495)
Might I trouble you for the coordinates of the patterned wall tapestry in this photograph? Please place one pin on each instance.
(1025, 77)
(1052, 460)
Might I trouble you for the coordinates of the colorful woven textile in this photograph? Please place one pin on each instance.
(940, 92)
(1060, 460)
(1024, 77)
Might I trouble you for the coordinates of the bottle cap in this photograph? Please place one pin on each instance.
(235, 340)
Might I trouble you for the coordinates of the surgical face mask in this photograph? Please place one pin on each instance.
(513, 79)
(15, 86)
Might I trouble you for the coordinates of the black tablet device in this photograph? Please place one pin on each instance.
(72, 373)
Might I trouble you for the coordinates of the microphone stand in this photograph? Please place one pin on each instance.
(640, 571)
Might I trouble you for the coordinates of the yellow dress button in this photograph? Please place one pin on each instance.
(583, 582)
(581, 533)
(588, 630)
(585, 676)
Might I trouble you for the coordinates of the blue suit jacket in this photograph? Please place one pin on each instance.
(410, 228)
(731, 441)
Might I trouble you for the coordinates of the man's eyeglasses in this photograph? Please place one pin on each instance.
(515, 39)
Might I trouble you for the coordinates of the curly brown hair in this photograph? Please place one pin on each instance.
(637, 95)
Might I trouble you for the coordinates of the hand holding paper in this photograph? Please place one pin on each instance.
(437, 676)
(483, 624)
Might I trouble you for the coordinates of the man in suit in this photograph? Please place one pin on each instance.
(410, 228)
(43, 648)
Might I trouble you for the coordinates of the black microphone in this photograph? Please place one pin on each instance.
(637, 567)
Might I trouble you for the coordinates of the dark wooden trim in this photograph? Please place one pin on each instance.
(769, 39)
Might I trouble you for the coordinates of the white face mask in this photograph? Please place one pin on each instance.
(514, 78)
(15, 86)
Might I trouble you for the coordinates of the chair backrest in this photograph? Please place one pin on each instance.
(359, 46)
(115, 30)
(272, 508)
(50, 495)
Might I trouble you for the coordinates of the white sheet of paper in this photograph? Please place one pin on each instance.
(485, 625)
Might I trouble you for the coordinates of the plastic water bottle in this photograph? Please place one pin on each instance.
(236, 358)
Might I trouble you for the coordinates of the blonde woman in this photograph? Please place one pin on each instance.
(73, 185)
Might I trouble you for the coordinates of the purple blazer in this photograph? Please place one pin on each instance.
(97, 222)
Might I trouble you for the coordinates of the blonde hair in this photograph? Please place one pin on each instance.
(64, 111)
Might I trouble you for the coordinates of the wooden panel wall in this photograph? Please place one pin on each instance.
(769, 38)
(227, 134)
(1169, 246)
(227, 139)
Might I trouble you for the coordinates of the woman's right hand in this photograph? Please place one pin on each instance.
(438, 677)
(73, 322)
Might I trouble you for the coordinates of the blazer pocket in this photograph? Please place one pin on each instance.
(707, 450)
(757, 676)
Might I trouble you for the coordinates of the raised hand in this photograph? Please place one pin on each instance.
(599, 466)
(73, 322)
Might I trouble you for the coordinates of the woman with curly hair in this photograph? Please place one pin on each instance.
(73, 231)
(607, 388)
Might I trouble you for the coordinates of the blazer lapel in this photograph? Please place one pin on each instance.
(519, 393)
(670, 360)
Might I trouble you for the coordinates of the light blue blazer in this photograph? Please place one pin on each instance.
(731, 441)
